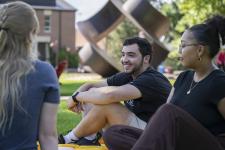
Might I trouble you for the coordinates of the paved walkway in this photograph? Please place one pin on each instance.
(82, 76)
(64, 97)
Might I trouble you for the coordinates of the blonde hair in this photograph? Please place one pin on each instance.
(18, 26)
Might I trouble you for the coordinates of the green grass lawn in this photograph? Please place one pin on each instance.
(67, 89)
(69, 83)
(66, 119)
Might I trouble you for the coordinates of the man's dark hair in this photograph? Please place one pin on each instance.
(144, 46)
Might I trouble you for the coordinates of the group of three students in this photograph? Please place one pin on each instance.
(154, 116)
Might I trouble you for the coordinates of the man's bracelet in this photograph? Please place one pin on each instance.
(74, 97)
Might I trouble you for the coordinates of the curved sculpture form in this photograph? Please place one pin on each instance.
(147, 16)
(159, 54)
(98, 60)
(160, 51)
(97, 26)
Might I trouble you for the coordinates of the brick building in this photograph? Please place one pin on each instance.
(57, 26)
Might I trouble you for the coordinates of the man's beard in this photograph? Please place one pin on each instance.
(136, 69)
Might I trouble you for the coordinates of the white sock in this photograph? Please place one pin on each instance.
(70, 136)
(91, 137)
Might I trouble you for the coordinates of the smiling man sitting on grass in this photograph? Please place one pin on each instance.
(142, 89)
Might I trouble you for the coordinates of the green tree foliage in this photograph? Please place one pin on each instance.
(197, 11)
(171, 10)
(72, 58)
(183, 14)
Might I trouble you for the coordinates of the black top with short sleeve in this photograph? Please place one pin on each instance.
(153, 86)
(202, 101)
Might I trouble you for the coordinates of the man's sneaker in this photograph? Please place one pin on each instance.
(81, 141)
(84, 141)
(61, 139)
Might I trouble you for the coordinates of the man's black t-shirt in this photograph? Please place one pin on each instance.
(153, 86)
(202, 101)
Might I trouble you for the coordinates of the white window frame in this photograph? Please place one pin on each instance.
(47, 23)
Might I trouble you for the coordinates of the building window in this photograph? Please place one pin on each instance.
(47, 25)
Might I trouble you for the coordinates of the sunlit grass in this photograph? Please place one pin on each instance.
(172, 81)
(71, 81)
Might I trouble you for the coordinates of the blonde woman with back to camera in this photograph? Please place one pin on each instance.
(29, 91)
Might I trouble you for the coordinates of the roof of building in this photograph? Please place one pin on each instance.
(35, 2)
(64, 5)
(48, 4)
(60, 5)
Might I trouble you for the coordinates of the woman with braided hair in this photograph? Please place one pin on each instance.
(194, 116)
(29, 91)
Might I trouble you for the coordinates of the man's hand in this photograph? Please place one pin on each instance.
(75, 107)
